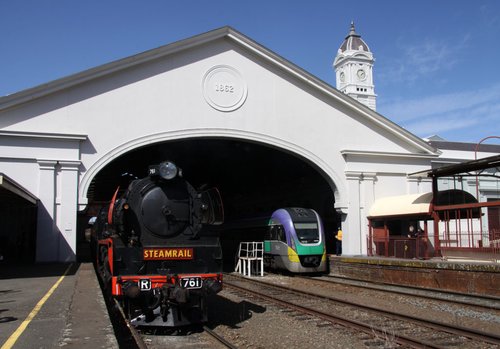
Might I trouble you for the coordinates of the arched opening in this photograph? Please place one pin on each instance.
(254, 179)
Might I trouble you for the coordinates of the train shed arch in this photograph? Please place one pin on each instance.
(253, 178)
(323, 167)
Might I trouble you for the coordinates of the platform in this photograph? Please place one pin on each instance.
(58, 305)
(477, 278)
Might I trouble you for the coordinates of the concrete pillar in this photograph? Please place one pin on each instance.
(366, 202)
(47, 239)
(67, 209)
(351, 240)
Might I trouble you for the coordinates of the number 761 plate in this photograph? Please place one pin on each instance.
(191, 282)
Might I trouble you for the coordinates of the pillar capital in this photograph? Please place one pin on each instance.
(68, 165)
(353, 175)
(370, 176)
(47, 164)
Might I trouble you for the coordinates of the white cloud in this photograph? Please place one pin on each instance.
(421, 59)
(442, 104)
(460, 116)
(489, 18)
(430, 126)
(428, 57)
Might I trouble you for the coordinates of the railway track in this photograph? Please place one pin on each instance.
(129, 337)
(219, 338)
(404, 330)
(485, 302)
(196, 336)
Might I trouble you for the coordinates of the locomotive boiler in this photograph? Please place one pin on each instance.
(153, 251)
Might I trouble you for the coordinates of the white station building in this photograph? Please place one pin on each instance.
(227, 110)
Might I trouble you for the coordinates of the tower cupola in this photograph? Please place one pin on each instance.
(354, 69)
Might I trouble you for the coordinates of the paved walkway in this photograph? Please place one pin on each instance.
(51, 306)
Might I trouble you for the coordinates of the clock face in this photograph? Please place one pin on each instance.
(361, 74)
(342, 76)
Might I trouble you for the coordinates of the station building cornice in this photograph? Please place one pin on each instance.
(51, 136)
(377, 154)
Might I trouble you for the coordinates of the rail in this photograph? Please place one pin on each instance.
(417, 335)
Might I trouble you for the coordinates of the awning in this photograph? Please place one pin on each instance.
(403, 205)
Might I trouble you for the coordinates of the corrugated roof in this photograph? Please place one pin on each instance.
(465, 167)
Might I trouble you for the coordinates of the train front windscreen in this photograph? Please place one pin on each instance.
(307, 233)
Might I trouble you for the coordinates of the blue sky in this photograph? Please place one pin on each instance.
(437, 68)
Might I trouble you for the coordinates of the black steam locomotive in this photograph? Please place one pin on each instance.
(152, 252)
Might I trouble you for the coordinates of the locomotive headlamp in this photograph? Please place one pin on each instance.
(166, 170)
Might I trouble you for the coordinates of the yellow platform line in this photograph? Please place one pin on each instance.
(15, 336)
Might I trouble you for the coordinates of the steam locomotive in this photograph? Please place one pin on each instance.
(153, 253)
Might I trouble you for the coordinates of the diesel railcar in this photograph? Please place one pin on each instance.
(295, 241)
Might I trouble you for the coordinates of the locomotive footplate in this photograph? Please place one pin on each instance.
(121, 285)
(167, 300)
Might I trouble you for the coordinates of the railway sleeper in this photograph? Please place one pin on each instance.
(324, 324)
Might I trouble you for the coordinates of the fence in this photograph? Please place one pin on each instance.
(453, 244)
(479, 245)
(250, 258)
(400, 247)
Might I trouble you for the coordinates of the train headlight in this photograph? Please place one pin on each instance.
(292, 244)
(166, 170)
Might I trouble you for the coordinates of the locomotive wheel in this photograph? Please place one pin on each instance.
(106, 273)
(103, 268)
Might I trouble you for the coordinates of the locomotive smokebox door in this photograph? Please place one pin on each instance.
(165, 210)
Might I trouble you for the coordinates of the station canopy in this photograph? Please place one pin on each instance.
(419, 205)
(402, 205)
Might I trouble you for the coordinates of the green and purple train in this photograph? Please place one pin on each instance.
(295, 241)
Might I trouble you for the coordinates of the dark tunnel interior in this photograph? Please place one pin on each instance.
(253, 180)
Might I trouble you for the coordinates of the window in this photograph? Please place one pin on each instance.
(277, 232)
(307, 232)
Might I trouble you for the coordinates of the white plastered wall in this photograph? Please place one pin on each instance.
(163, 100)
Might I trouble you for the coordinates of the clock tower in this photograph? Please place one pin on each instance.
(354, 69)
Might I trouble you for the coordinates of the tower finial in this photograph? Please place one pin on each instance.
(352, 31)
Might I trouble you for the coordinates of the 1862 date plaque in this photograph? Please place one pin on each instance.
(224, 88)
